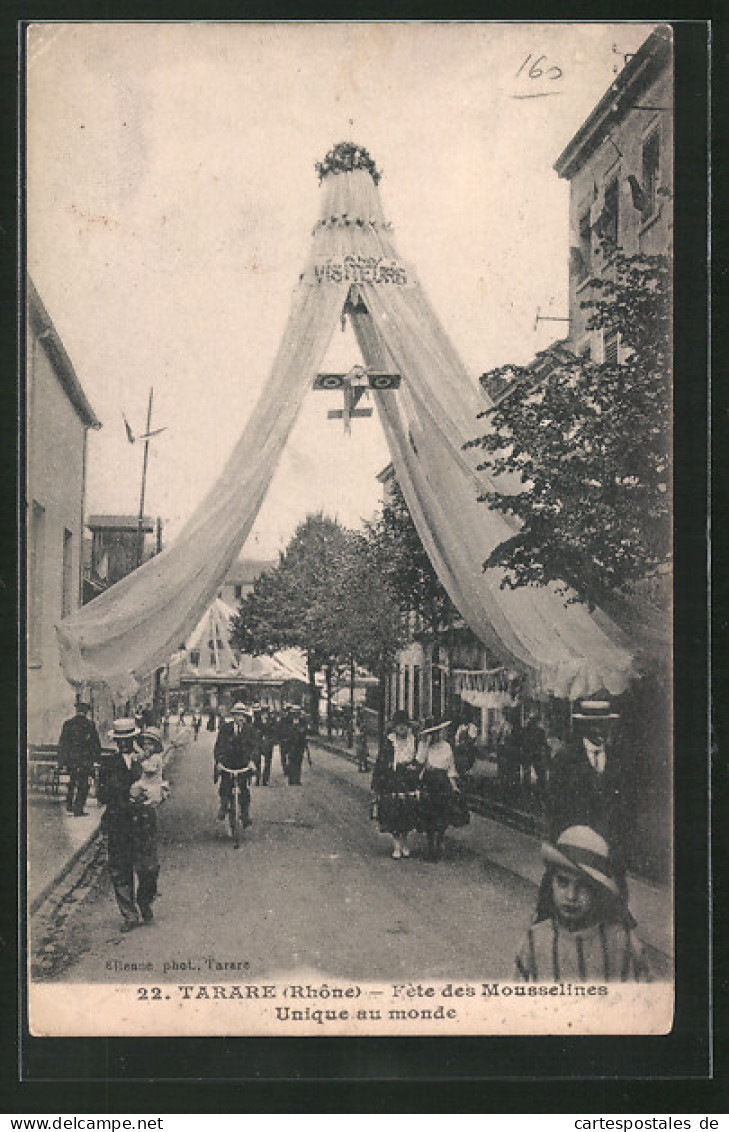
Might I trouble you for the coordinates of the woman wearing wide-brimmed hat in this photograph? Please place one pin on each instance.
(396, 782)
(441, 799)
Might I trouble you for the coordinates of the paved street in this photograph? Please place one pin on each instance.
(312, 888)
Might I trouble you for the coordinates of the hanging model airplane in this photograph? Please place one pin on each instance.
(354, 385)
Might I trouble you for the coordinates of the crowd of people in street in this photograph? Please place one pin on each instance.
(582, 928)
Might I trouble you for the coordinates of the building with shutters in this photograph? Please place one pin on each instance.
(619, 166)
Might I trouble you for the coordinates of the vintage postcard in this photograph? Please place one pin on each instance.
(349, 499)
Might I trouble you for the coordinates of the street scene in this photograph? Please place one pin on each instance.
(349, 554)
(247, 916)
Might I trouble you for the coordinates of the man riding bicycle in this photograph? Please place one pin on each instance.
(235, 749)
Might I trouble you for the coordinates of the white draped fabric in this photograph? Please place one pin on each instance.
(133, 627)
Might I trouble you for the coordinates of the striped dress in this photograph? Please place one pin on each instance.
(602, 953)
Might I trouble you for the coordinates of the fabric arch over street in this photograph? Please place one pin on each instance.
(353, 267)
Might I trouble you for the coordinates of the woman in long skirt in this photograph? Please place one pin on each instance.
(396, 781)
(440, 785)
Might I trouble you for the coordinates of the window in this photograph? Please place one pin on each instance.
(397, 687)
(36, 569)
(238, 591)
(608, 226)
(582, 254)
(416, 692)
(195, 658)
(406, 690)
(67, 577)
(650, 173)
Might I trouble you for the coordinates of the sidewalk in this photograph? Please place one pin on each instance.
(519, 853)
(56, 839)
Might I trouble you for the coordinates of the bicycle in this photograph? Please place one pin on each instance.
(234, 801)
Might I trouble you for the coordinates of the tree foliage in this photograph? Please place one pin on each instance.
(327, 597)
(401, 558)
(587, 448)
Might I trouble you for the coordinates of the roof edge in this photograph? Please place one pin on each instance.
(650, 57)
(42, 325)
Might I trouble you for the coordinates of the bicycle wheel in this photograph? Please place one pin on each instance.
(234, 819)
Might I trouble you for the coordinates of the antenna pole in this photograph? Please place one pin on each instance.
(140, 522)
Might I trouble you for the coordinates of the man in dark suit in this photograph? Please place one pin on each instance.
(265, 734)
(298, 746)
(586, 779)
(79, 748)
(127, 856)
(235, 749)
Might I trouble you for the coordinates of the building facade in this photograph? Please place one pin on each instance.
(58, 416)
(619, 166)
(240, 579)
(119, 543)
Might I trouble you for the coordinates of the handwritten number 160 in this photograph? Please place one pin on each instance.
(537, 72)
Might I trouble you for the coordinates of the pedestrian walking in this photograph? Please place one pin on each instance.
(286, 736)
(585, 933)
(131, 847)
(396, 784)
(235, 748)
(196, 725)
(464, 751)
(507, 762)
(534, 755)
(441, 802)
(79, 748)
(266, 733)
(298, 746)
(360, 743)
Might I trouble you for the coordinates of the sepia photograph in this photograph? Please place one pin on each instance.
(349, 492)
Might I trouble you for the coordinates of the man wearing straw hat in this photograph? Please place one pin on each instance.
(586, 779)
(130, 851)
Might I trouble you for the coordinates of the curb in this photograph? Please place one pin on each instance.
(41, 897)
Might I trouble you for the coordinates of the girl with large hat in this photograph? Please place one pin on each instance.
(395, 781)
(585, 932)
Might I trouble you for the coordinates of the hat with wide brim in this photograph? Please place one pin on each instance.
(595, 710)
(400, 718)
(581, 850)
(124, 729)
(431, 728)
(83, 705)
(240, 709)
(153, 734)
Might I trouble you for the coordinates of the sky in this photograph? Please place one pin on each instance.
(171, 194)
